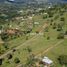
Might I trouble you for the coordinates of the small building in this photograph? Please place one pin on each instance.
(0, 31)
(36, 23)
(45, 13)
(47, 62)
(30, 17)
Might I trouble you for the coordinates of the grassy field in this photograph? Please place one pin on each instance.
(39, 44)
(61, 49)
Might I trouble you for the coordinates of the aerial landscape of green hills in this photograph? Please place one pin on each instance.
(33, 33)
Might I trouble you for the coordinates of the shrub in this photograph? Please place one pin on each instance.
(44, 17)
(62, 59)
(65, 32)
(62, 19)
(59, 27)
(1, 61)
(48, 38)
(17, 60)
(5, 45)
(14, 50)
(37, 32)
(9, 56)
(60, 36)
(4, 36)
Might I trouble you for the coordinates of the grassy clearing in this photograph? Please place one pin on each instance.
(61, 49)
(38, 44)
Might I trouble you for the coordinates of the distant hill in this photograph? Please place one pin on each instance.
(33, 1)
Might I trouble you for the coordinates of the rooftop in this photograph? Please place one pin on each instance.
(47, 60)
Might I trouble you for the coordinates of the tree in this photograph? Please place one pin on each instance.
(48, 38)
(44, 17)
(1, 61)
(62, 59)
(62, 19)
(60, 36)
(37, 32)
(29, 49)
(50, 14)
(4, 36)
(14, 50)
(9, 56)
(52, 20)
(16, 60)
(59, 27)
(5, 45)
(54, 26)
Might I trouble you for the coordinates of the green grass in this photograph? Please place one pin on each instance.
(39, 44)
(61, 49)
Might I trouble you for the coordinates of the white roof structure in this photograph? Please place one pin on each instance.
(47, 60)
(49, 7)
(30, 17)
(45, 13)
(37, 23)
(0, 31)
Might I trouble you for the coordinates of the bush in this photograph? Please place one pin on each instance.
(44, 17)
(4, 36)
(14, 50)
(65, 32)
(62, 19)
(17, 60)
(60, 36)
(37, 32)
(62, 59)
(5, 45)
(48, 38)
(59, 27)
(1, 61)
(54, 26)
(9, 56)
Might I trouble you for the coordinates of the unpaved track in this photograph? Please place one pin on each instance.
(18, 47)
(25, 43)
(49, 48)
(46, 50)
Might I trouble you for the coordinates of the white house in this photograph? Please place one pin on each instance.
(36, 23)
(47, 61)
(45, 13)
